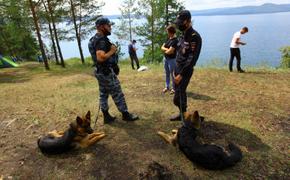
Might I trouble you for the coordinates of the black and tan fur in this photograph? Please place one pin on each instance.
(79, 134)
(206, 155)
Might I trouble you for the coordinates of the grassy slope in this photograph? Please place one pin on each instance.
(251, 109)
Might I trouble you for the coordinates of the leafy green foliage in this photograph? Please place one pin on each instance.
(126, 29)
(86, 13)
(285, 62)
(15, 30)
(158, 14)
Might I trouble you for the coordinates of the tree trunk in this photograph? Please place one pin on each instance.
(53, 44)
(130, 23)
(51, 34)
(77, 32)
(55, 33)
(80, 49)
(166, 13)
(152, 33)
(35, 20)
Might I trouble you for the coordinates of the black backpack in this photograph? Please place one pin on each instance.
(91, 45)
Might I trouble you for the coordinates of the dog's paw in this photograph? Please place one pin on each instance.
(174, 131)
(160, 133)
(52, 132)
(98, 133)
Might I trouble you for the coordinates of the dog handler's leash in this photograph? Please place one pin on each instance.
(180, 106)
(97, 117)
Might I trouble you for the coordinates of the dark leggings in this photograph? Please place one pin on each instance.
(235, 52)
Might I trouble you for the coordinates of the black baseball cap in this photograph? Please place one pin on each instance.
(182, 16)
(102, 20)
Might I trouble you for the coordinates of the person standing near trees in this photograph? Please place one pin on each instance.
(169, 49)
(188, 50)
(133, 54)
(235, 50)
(105, 61)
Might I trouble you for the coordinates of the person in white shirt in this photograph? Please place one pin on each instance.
(235, 50)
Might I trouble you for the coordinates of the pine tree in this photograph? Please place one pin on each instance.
(158, 14)
(52, 8)
(33, 6)
(129, 15)
(47, 17)
(83, 14)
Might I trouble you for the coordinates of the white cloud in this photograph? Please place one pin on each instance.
(112, 6)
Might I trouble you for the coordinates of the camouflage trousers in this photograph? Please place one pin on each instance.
(110, 85)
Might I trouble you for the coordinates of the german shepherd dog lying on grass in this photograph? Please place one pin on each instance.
(79, 134)
(208, 156)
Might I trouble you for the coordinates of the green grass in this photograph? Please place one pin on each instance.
(250, 109)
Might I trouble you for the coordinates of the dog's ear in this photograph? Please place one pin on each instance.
(79, 120)
(195, 114)
(88, 115)
(196, 120)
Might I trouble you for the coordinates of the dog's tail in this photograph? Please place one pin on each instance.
(235, 155)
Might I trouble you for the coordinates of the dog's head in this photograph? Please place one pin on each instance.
(193, 119)
(83, 125)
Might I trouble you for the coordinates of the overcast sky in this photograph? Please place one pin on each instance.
(112, 6)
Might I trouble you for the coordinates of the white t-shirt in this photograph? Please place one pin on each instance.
(236, 36)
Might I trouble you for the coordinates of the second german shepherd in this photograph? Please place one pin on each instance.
(79, 134)
(208, 156)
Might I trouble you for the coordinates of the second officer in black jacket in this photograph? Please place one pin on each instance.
(188, 50)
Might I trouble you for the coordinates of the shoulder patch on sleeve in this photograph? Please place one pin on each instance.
(193, 34)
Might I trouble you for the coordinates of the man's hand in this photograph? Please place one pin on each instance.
(113, 48)
(103, 56)
(177, 79)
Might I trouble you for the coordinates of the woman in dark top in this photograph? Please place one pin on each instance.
(169, 49)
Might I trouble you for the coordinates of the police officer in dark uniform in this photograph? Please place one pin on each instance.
(105, 60)
(188, 50)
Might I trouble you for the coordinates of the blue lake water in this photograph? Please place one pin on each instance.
(267, 33)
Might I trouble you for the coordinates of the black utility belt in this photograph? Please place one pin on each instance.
(108, 70)
(104, 70)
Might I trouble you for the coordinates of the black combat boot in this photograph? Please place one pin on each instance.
(107, 117)
(129, 117)
(241, 71)
(176, 117)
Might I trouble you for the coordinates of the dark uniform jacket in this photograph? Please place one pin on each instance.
(99, 42)
(188, 50)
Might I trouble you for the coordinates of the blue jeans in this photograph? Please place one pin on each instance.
(169, 67)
